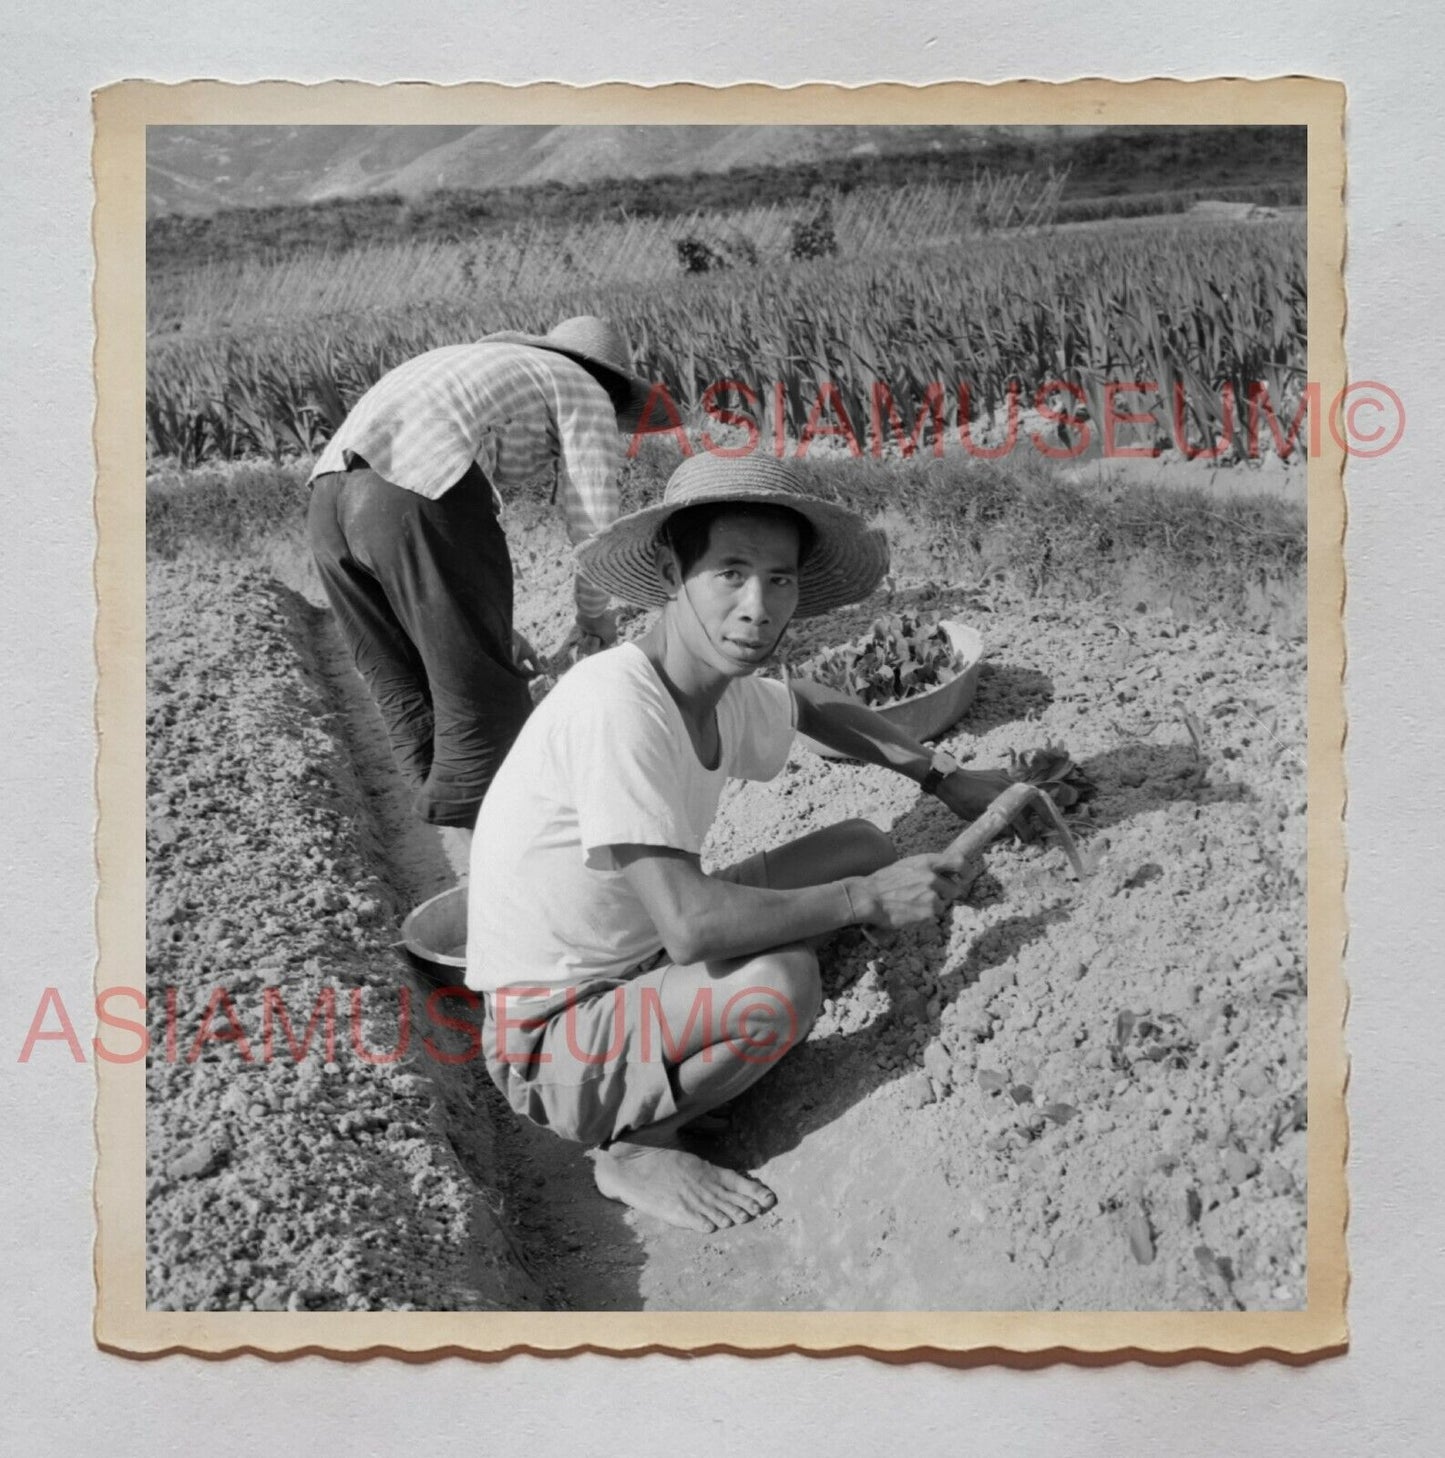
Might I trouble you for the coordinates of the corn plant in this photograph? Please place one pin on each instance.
(1196, 313)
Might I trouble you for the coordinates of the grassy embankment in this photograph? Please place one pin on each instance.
(1237, 559)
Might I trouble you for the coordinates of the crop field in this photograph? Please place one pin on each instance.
(1193, 317)
(1064, 1095)
(541, 258)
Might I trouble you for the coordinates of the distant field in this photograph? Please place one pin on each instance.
(542, 257)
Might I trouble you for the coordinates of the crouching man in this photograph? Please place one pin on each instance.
(627, 991)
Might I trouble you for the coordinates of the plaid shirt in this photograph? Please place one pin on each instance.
(524, 415)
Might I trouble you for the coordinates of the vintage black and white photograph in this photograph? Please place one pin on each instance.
(901, 532)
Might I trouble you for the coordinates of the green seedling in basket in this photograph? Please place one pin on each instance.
(903, 654)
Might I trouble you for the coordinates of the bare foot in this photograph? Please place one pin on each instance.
(679, 1187)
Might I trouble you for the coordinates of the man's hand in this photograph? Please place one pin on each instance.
(525, 656)
(603, 626)
(968, 793)
(908, 891)
(589, 635)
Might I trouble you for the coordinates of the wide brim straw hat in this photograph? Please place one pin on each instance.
(591, 341)
(848, 558)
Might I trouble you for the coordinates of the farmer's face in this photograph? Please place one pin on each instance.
(742, 591)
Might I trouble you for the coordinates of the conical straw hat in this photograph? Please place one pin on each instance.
(590, 341)
(847, 561)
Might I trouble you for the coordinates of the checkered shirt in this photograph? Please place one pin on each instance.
(524, 415)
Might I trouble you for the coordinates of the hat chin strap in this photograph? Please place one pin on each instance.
(697, 618)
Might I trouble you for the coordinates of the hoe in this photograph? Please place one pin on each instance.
(1006, 808)
(434, 935)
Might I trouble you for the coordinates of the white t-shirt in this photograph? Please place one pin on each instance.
(604, 760)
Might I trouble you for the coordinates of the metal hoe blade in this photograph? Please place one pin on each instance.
(997, 818)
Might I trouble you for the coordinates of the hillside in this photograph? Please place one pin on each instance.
(201, 169)
(223, 193)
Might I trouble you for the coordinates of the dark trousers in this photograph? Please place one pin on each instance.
(422, 592)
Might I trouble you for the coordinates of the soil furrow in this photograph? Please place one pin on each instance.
(576, 1245)
(293, 1155)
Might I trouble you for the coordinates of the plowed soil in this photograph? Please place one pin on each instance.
(1064, 1095)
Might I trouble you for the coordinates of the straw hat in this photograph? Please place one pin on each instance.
(596, 343)
(847, 560)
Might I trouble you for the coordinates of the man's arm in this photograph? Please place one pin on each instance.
(851, 728)
(703, 919)
(590, 458)
(596, 625)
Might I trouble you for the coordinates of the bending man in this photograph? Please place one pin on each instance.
(404, 527)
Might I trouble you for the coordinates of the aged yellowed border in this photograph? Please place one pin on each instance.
(122, 1322)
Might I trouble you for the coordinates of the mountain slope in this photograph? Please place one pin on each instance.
(199, 169)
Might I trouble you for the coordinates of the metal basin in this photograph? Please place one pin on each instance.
(435, 936)
(926, 716)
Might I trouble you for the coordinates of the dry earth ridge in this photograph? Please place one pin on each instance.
(1063, 1096)
(284, 1182)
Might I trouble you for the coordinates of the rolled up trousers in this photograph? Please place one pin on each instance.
(422, 592)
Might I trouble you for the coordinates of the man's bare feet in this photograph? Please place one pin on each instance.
(679, 1187)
